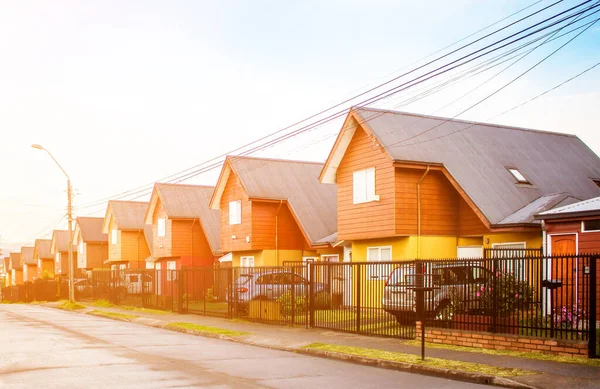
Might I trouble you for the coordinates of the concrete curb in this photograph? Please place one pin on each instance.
(456, 375)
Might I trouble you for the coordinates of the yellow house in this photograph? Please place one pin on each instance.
(129, 238)
(275, 211)
(416, 187)
(43, 257)
(5, 272)
(28, 263)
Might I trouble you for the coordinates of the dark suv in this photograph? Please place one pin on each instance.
(445, 280)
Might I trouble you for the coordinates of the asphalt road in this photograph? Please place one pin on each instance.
(46, 348)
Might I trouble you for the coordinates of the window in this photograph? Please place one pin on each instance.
(39, 262)
(82, 248)
(518, 176)
(122, 266)
(510, 252)
(235, 212)
(330, 258)
(590, 225)
(162, 226)
(247, 261)
(376, 271)
(149, 265)
(309, 259)
(363, 186)
(171, 270)
(114, 236)
(57, 257)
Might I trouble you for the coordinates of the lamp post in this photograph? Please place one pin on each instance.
(70, 221)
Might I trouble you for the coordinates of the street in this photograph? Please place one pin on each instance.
(46, 348)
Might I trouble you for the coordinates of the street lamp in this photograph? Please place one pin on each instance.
(70, 221)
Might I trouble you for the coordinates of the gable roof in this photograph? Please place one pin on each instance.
(27, 255)
(15, 261)
(128, 215)
(60, 242)
(477, 156)
(90, 230)
(7, 263)
(188, 202)
(590, 207)
(314, 205)
(42, 248)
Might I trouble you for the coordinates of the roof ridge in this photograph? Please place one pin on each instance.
(275, 159)
(128, 201)
(180, 185)
(465, 121)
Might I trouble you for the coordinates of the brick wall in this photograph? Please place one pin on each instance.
(487, 340)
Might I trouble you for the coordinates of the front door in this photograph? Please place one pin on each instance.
(564, 269)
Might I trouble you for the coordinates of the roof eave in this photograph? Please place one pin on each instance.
(567, 215)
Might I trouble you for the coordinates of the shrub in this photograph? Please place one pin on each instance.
(285, 302)
(209, 295)
(46, 275)
(322, 300)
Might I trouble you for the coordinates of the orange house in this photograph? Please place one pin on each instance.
(28, 263)
(91, 242)
(16, 269)
(415, 186)
(275, 211)
(7, 271)
(43, 257)
(129, 238)
(59, 248)
(185, 231)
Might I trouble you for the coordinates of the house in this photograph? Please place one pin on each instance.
(415, 186)
(129, 238)
(91, 242)
(59, 248)
(275, 211)
(5, 272)
(573, 229)
(185, 231)
(28, 263)
(16, 269)
(43, 257)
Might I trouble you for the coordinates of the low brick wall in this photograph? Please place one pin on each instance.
(488, 340)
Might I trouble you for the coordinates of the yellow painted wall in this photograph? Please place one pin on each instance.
(533, 240)
(270, 257)
(404, 248)
(471, 241)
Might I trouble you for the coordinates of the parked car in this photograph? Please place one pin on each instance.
(134, 283)
(270, 285)
(445, 280)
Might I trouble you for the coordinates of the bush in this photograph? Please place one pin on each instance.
(46, 275)
(285, 302)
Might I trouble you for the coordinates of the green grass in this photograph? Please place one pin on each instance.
(69, 306)
(102, 303)
(416, 360)
(216, 307)
(201, 328)
(141, 310)
(519, 354)
(114, 314)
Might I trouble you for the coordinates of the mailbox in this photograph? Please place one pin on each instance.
(551, 284)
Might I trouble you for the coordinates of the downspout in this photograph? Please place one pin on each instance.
(277, 233)
(419, 212)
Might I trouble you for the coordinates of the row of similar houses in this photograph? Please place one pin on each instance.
(395, 186)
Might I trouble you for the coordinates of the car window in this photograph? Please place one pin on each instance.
(265, 279)
(284, 278)
(133, 278)
(298, 279)
(399, 276)
(243, 279)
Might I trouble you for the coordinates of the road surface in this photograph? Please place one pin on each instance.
(42, 347)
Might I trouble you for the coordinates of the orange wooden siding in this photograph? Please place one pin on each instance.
(265, 228)
(96, 254)
(372, 219)
(162, 245)
(468, 222)
(189, 240)
(134, 248)
(114, 249)
(233, 191)
(47, 265)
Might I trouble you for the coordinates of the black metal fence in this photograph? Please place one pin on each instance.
(39, 290)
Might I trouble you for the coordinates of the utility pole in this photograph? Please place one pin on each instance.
(71, 264)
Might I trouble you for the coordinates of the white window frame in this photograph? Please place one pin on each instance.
(247, 258)
(583, 227)
(480, 247)
(81, 248)
(161, 224)
(149, 265)
(517, 175)
(521, 274)
(171, 265)
(114, 236)
(363, 186)
(57, 258)
(331, 258)
(235, 212)
(373, 272)
(310, 259)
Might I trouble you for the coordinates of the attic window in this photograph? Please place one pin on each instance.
(518, 176)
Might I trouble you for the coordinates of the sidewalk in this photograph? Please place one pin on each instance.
(550, 374)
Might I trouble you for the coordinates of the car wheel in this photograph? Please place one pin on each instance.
(407, 318)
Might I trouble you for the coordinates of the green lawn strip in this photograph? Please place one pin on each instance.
(69, 306)
(102, 303)
(114, 314)
(141, 310)
(520, 354)
(416, 360)
(206, 329)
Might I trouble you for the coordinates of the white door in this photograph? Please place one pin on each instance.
(348, 277)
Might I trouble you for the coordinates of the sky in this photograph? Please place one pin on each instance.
(125, 93)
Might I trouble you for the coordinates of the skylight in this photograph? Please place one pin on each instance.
(597, 182)
(518, 175)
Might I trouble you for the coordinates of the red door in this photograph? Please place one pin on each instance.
(564, 269)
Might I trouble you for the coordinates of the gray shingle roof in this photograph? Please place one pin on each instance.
(129, 215)
(477, 156)
(590, 206)
(61, 240)
(192, 201)
(43, 248)
(314, 204)
(15, 261)
(90, 229)
(27, 255)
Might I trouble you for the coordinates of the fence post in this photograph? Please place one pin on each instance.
(593, 302)
(293, 293)
(495, 295)
(311, 292)
(358, 286)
